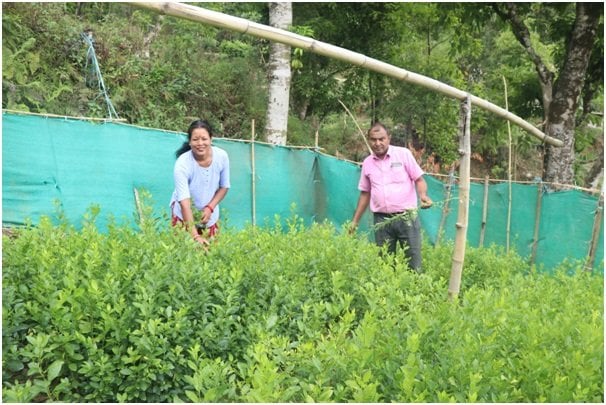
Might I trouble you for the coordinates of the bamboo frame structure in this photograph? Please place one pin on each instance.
(508, 232)
(253, 203)
(244, 26)
(484, 213)
(458, 255)
(120, 120)
(138, 205)
(595, 234)
(446, 207)
(547, 183)
(537, 223)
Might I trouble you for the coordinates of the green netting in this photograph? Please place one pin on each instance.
(566, 226)
(80, 164)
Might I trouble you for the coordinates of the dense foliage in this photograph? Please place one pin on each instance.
(162, 72)
(286, 313)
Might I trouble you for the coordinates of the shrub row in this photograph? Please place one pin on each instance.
(286, 313)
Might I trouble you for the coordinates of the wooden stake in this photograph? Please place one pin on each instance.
(484, 212)
(254, 175)
(317, 136)
(446, 207)
(458, 256)
(595, 234)
(508, 171)
(138, 205)
(537, 222)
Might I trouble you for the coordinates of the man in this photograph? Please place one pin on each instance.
(390, 180)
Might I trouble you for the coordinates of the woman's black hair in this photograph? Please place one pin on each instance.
(194, 125)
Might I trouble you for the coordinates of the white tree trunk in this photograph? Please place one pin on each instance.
(280, 16)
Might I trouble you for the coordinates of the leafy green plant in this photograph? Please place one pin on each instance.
(286, 313)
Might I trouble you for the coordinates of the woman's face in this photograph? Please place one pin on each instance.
(200, 141)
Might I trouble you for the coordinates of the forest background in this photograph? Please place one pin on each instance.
(163, 72)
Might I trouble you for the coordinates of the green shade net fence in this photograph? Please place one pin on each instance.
(79, 164)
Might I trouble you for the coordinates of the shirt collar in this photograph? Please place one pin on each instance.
(387, 154)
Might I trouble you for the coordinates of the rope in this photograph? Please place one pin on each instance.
(94, 76)
(536, 181)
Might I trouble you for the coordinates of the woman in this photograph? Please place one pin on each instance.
(201, 181)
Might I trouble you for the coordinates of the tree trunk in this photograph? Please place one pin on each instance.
(597, 168)
(560, 100)
(280, 16)
(559, 162)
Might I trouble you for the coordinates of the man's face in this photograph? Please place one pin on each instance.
(379, 141)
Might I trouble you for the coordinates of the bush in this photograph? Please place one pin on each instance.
(286, 314)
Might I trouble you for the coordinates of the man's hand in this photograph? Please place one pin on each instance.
(352, 228)
(426, 202)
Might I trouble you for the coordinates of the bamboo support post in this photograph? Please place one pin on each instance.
(316, 140)
(241, 25)
(446, 206)
(254, 175)
(537, 223)
(138, 205)
(508, 172)
(484, 212)
(595, 234)
(458, 256)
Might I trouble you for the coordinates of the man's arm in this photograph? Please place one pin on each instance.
(421, 187)
(363, 202)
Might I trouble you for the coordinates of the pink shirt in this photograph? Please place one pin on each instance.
(391, 180)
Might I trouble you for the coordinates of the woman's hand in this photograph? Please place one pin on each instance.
(207, 211)
(201, 241)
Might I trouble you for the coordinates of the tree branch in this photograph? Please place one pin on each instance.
(522, 34)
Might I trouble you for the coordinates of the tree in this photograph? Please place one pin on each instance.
(562, 88)
(280, 16)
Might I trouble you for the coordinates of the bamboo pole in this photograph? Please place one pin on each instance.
(254, 175)
(446, 206)
(537, 223)
(244, 26)
(508, 234)
(595, 233)
(484, 212)
(458, 256)
(359, 129)
(66, 116)
(138, 205)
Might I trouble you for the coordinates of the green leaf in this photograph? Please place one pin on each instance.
(192, 396)
(271, 321)
(126, 371)
(14, 365)
(54, 369)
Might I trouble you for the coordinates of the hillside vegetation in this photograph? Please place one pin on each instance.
(163, 72)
